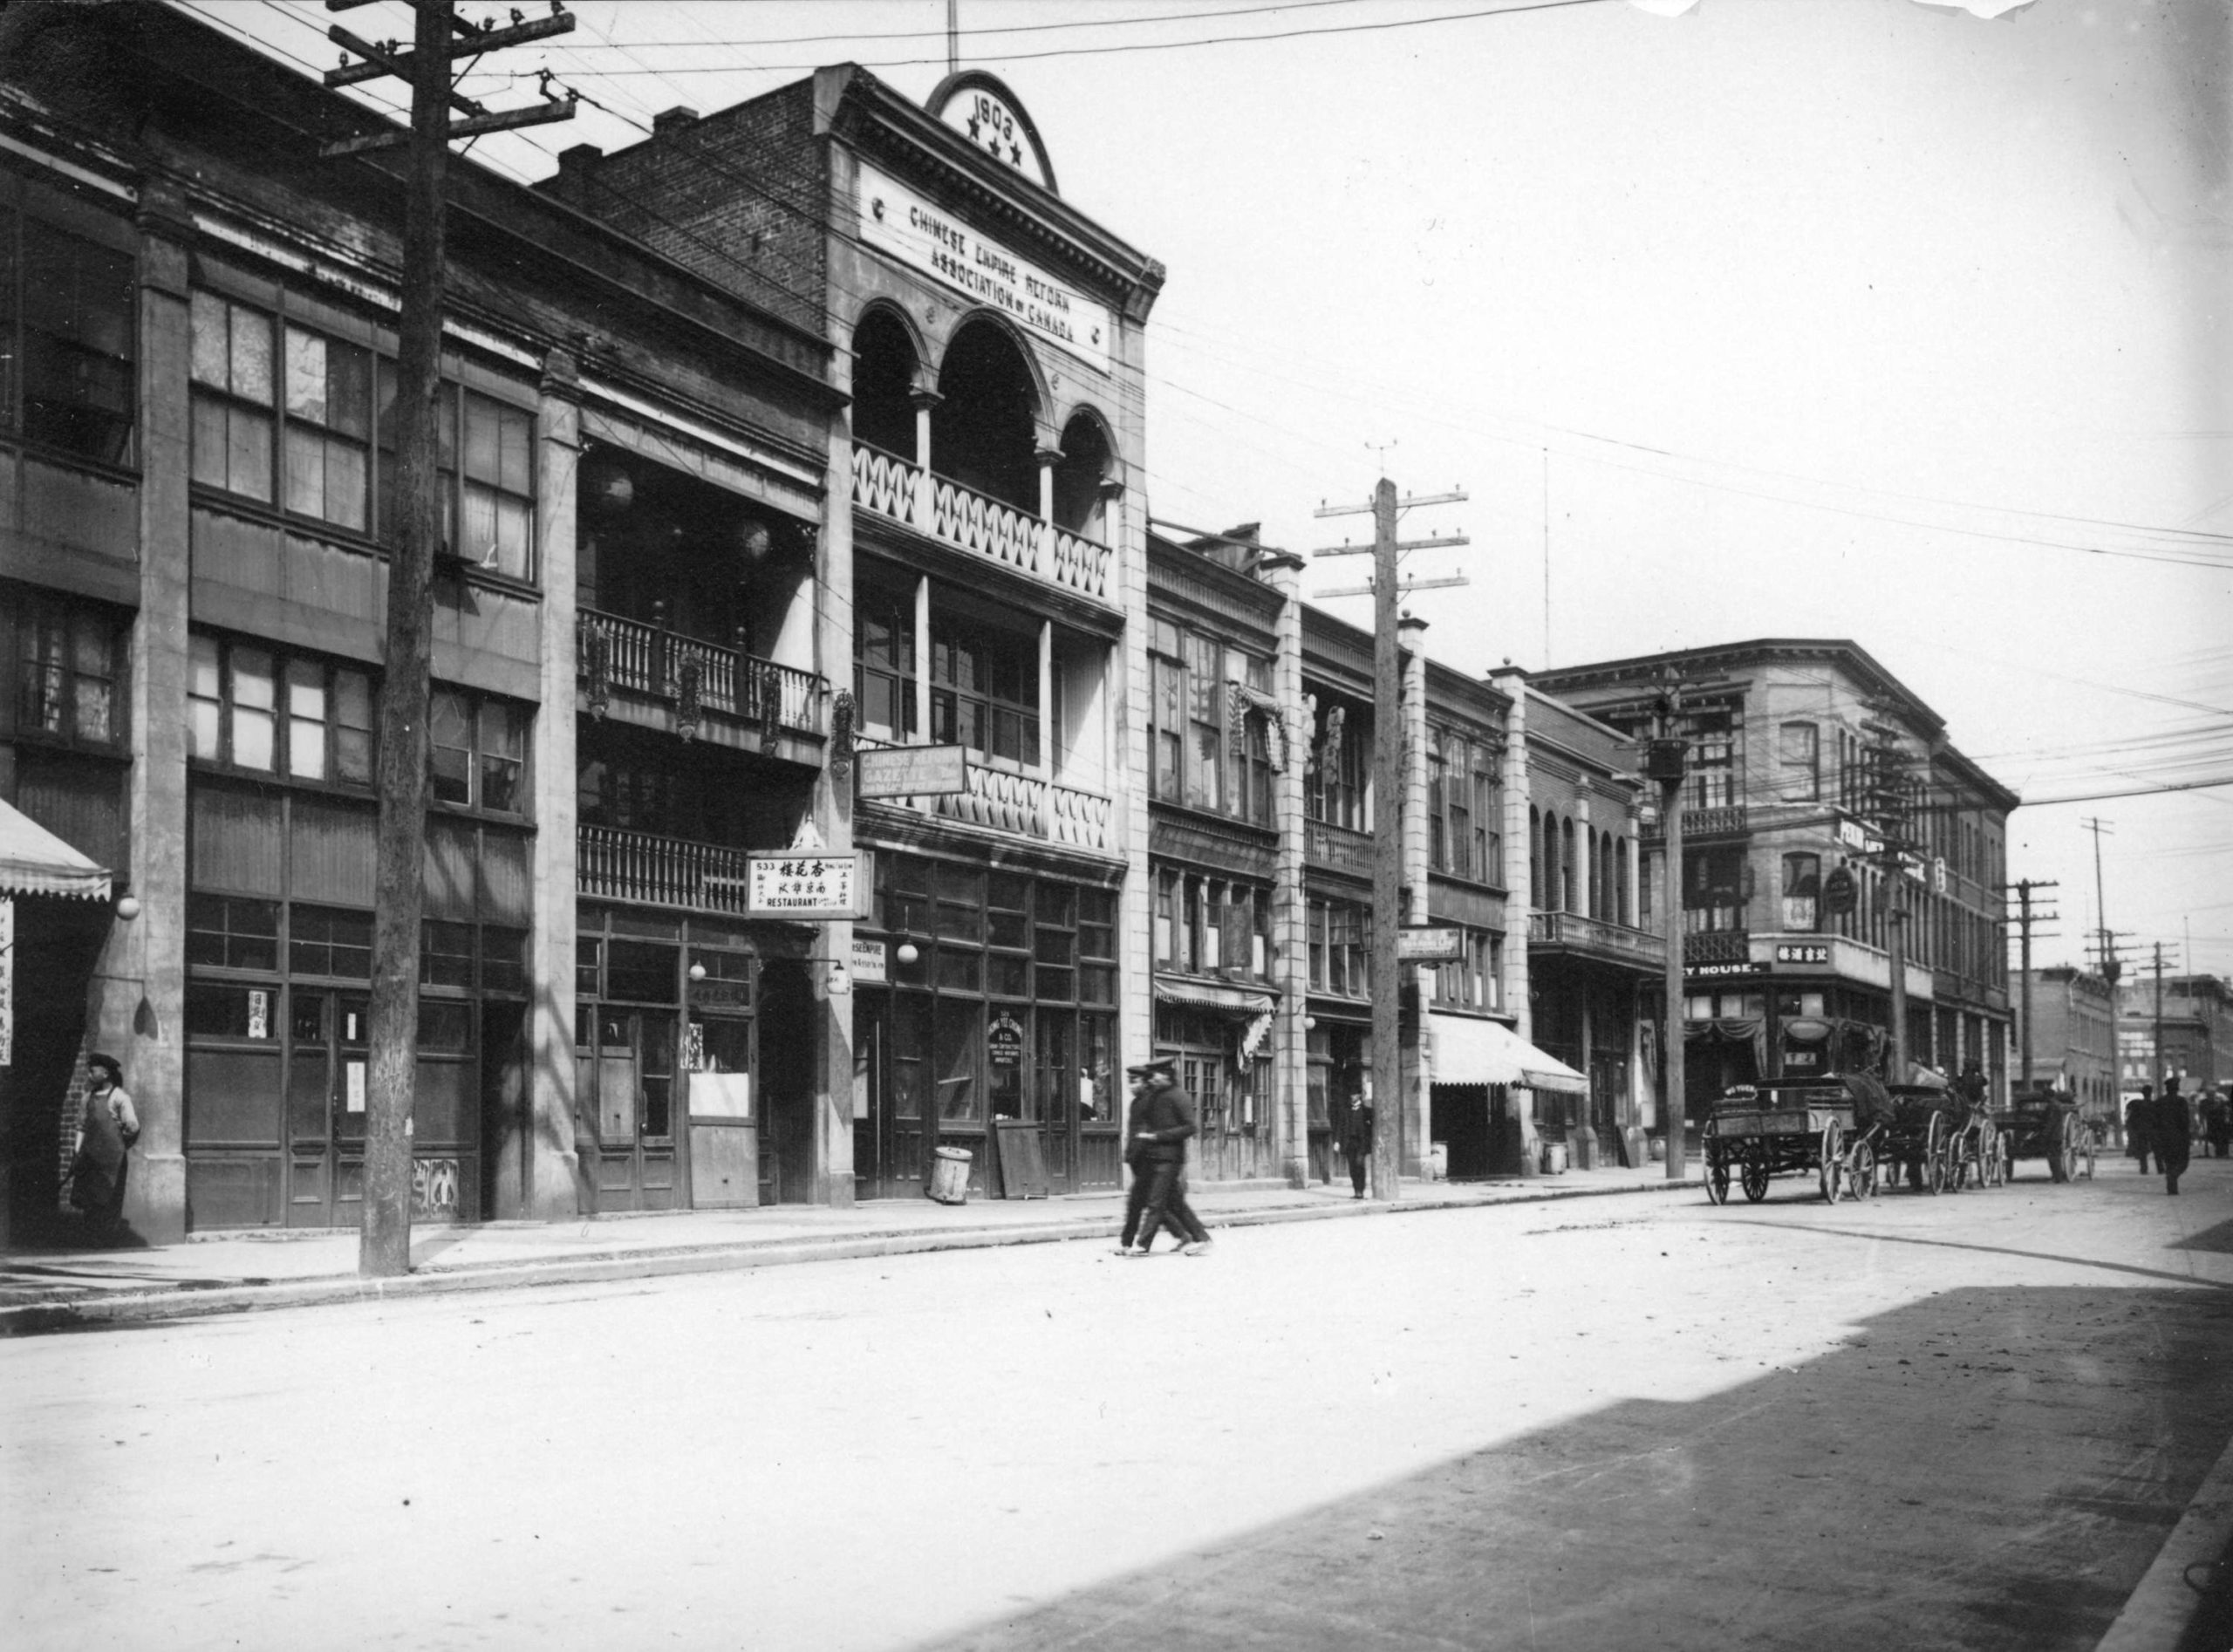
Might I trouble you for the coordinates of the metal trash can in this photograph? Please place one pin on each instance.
(1554, 1158)
(949, 1175)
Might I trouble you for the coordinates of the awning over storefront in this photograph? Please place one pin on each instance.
(1476, 1052)
(1233, 1000)
(33, 861)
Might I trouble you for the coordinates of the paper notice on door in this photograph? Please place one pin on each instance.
(259, 1013)
(354, 1087)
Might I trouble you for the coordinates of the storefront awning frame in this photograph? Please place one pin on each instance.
(1467, 1050)
(33, 861)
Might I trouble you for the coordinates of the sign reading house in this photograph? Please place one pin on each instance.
(897, 220)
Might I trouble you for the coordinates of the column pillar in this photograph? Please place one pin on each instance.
(925, 398)
(538, 1178)
(1290, 938)
(139, 996)
(1521, 897)
(1411, 638)
(831, 811)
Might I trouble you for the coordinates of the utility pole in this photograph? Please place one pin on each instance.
(2024, 918)
(1665, 759)
(384, 1240)
(1388, 793)
(2159, 1018)
(1890, 788)
(2110, 968)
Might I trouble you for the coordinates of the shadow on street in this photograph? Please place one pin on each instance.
(1984, 1469)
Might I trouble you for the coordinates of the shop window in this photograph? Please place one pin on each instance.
(221, 1009)
(228, 931)
(445, 954)
(67, 350)
(476, 755)
(70, 663)
(641, 972)
(324, 940)
(445, 1026)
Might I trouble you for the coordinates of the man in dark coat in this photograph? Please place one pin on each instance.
(2217, 1120)
(2140, 1125)
(1157, 1126)
(1356, 1142)
(2173, 1136)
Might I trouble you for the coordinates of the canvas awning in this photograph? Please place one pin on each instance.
(33, 861)
(1467, 1051)
(1233, 1000)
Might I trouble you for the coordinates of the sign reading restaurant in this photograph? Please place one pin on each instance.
(894, 219)
(805, 887)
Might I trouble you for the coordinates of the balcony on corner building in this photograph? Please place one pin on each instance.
(1717, 946)
(947, 511)
(1572, 934)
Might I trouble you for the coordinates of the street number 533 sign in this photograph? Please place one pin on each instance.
(805, 888)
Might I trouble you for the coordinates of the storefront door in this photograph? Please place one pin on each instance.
(1055, 1079)
(327, 1037)
(626, 1083)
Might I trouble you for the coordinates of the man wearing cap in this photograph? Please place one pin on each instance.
(100, 1157)
(1156, 1128)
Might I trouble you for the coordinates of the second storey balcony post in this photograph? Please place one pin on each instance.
(926, 509)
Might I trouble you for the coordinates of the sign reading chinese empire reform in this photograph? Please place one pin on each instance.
(896, 220)
(910, 771)
(806, 887)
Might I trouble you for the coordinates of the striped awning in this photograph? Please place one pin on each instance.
(33, 861)
(1233, 1000)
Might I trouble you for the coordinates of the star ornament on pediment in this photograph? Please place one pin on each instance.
(973, 125)
(1015, 155)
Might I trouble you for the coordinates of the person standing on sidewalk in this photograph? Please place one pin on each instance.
(2140, 1125)
(2218, 1124)
(2172, 1136)
(101, 1157)
(1356, 1140)
(1160, 1120)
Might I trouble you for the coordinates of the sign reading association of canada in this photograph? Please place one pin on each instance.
(806, 887)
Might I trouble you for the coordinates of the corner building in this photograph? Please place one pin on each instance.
(631, 664)
(985, 561)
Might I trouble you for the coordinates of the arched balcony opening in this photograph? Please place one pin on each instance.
(982, 431)
(1080, 507)
(884, 378)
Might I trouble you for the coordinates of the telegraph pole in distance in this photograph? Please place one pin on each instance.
(384, 1240)
(1388, 792)
(1665, 759)
(2024, 918)
(2159, 1018)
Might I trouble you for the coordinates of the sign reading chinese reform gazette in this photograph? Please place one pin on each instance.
(807, 887)
(911, 771)
(897, 220)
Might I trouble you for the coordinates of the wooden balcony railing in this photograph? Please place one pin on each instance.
(645, 659)
(1718, 946)
(1023, 805)
(965, 519)
(610, 864)
(1596, 937)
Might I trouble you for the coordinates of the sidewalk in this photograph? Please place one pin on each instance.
(241, 1271)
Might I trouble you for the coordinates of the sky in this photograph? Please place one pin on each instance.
(1849, 319)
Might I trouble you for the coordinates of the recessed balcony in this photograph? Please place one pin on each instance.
(1579, 936)
(697, 677)
(902, 492)
(650, 871)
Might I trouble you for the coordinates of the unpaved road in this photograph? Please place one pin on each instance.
(1631, 1421)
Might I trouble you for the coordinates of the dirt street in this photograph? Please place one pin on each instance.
(1635, 1422)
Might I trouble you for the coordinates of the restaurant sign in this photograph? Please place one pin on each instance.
(895, 219)
(807, 888)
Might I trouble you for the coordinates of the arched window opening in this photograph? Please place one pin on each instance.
(1079, 507)
(982, 433)
(883, 374)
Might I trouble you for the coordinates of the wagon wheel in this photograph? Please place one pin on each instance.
(2081, 1162)
(1832, 1172)
(1995, 1156)
(2061, 1160)
(1753, 1173)
(1934, 1157)
(1717, 1171)
(1967, 1149)
(1861, 1169)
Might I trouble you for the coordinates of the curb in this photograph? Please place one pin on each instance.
(2167, 1603)
(183, 1302)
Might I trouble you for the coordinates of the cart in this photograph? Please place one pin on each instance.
(2046, 1126)
(1790, 1127)
(1920, 1136)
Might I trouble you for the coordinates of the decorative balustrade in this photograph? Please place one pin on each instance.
(610, 864)
(1023, 805)
(1596, 936)
(1723, 821)
(1718, 946)
(960, 516)
(661, 663)
(1325, 844)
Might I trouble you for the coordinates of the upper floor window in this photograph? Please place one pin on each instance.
(250, 706)
(984, 690)
(68, 340)
(1713, 763)
(493, 492)
(1209, 746)
(1799, 755)
(1802, 888)
(1715, 896)
(1340, 951)
(1334, 786)
(70, 660)
(1211, 926)
(476, 755)
(884, 661)
(1464, 836)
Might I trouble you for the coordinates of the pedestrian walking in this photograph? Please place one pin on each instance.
(1157, 1126)
(1356, 1140)
(2172, 1136)
(100, 1158)
(2140, 1125)
(2217, 1123)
